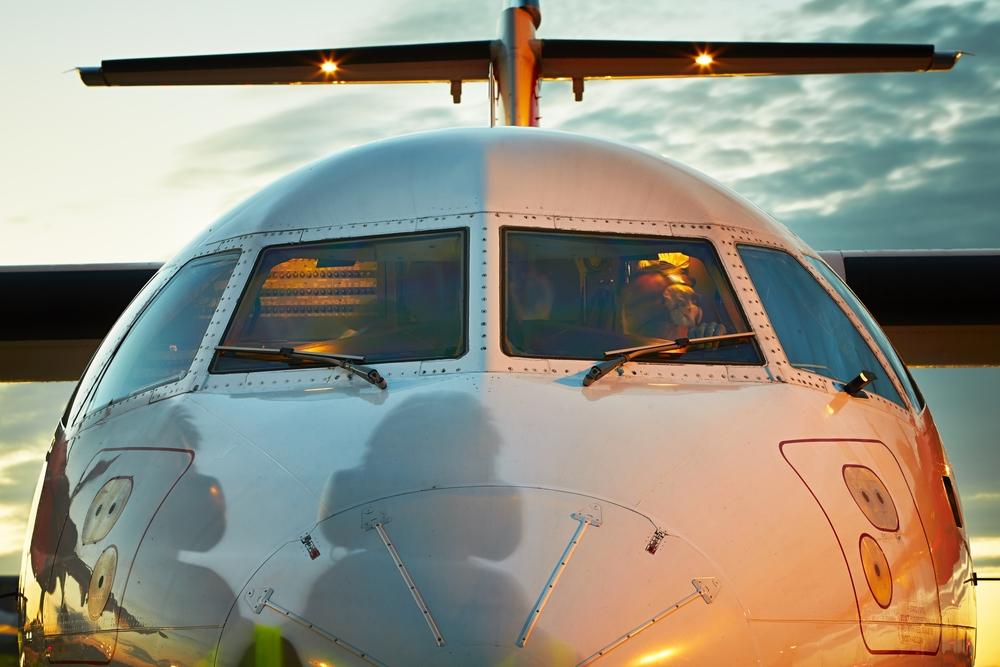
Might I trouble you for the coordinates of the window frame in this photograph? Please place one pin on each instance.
(920, 403)
(845, 309)
(504, 230)
(88, 413)
(464, 234)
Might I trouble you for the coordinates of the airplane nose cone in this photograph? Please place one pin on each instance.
(489, 575)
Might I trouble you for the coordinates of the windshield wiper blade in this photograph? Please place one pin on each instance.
(345, 361)
(621, 357)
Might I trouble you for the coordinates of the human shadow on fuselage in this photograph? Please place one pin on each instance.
(175, 587)
(164, 589)
(429, 479)
(173, 584)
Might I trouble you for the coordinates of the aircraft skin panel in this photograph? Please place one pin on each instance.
(908, 618)
(455, 541)
(952, 559)
(86, 567)
(355, 476)
(488, 474)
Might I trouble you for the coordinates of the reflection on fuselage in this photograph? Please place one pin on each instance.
(486, 508)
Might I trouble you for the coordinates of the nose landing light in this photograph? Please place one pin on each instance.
(877, 572)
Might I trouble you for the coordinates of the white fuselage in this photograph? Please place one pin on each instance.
(489, 509)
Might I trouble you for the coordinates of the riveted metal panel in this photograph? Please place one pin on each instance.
(720, 235)
(189, 380)
(783, 370)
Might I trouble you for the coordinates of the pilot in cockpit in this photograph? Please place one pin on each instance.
(662, 301)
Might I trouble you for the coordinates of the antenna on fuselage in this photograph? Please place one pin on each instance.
(517, 61)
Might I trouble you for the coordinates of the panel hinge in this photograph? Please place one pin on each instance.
(258, 598)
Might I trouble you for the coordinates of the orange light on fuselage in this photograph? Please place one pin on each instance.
(704, 59)
(656, 657)
(328, 66)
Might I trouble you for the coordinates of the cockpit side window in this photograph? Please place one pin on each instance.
(816, 334)
(874, 330)
(576, 296)
(163, 342)
(386, 299)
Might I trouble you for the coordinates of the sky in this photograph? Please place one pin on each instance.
(847, 162)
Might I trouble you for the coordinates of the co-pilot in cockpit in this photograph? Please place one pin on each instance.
(663, 300)
(574, 296)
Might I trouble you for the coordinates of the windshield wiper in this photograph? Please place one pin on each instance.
(345, 361)
(621, 357)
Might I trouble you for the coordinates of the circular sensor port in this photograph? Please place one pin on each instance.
(872, 497)
(101, 581)
(107, 506)
(877, 572)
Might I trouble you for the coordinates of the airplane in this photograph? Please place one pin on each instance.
(498, 396)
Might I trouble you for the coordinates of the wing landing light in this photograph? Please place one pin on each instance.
(516, 61)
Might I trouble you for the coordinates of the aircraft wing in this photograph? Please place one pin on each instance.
(940, 308)
(406, 63)
(55, 316)
(596, 59)
(559, 59)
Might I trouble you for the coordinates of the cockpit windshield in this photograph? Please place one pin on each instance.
(575, 296)
(399, 298)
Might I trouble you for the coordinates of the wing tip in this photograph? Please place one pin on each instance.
(92, 76)
(943, 61)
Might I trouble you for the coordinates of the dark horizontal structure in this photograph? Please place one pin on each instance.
(560, 58)
(55, 316)
(586, 58)
(404, 63)
(940, 308)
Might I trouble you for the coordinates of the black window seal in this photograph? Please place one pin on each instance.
(949, 490)
(504, 347)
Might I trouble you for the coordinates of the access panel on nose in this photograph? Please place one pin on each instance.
(110, 507)
(861, 489)
(491, 575)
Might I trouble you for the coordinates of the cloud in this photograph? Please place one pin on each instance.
(820, 7)
(18, 480)
(28, 414)
(437, 21)
(984, 497)
(270, 147)
(13, 520)
(856, 161)
(986, 548)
